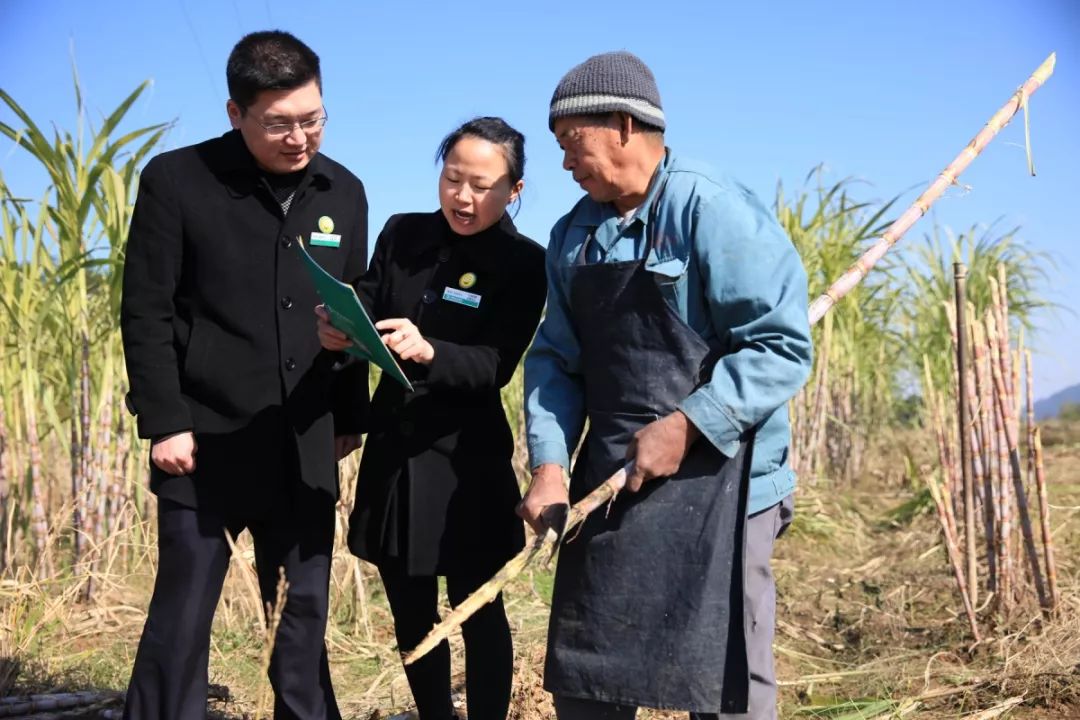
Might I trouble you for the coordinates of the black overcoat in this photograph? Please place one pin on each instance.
(217, 316)
(436, 489)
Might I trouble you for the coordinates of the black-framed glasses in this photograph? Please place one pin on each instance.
(280, 130)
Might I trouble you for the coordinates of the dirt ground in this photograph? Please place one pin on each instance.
(869, 623)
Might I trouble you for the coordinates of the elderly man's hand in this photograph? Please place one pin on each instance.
(658, 448)
(547, 488)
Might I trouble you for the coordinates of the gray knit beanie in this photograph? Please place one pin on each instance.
(612, 82)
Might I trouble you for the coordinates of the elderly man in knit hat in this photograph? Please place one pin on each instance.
(677, 326)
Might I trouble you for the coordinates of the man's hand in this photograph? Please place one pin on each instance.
(346, 444)
(547, 488)
(658, 448)
(175, 454)
(329, 336)
(405, 339)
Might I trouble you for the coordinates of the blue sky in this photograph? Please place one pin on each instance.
(887, 92)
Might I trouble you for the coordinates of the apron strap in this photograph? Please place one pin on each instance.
(654, 212)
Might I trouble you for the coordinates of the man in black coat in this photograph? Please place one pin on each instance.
(247, 414)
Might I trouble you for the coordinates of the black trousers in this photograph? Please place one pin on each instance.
(295, 531)
(489, 650)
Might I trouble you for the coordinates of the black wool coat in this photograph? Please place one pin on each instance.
(217, 322)
(436, 489)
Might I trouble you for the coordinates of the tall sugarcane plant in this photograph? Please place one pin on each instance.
(853, 385)
(61, 365)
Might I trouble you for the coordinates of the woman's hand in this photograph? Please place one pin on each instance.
(329, 336)
(405, 339)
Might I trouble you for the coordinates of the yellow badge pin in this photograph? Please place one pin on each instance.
(326, 224)
(467, 280)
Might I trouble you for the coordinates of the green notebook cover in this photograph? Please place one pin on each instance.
(348, 315)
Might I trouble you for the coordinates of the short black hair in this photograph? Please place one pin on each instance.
(269, 60)
(497, 132)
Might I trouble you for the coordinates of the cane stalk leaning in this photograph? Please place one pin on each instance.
(607, 491)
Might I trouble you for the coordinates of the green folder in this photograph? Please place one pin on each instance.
(348, 315)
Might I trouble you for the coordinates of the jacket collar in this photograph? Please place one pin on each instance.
(441, 235)
(237, 161)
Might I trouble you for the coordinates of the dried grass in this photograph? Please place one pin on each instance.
(869, 623)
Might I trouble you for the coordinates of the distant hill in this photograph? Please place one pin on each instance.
(1051, 406)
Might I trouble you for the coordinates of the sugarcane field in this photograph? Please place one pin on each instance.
(928, 562)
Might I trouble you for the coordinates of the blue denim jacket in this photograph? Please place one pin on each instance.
(732, 274)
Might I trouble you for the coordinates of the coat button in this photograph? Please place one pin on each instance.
(286, 241)
(290, 364)
(286, 302)
(444, 254)
(429, 296)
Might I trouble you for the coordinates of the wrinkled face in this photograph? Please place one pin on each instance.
(591, 151)
(276, 152)
(474, 185)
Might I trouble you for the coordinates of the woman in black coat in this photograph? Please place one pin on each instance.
(458, 294)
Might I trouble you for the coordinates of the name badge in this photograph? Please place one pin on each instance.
(461, 297)
(325, 239)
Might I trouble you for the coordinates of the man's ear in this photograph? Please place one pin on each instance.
(626, 127)
(234, 112)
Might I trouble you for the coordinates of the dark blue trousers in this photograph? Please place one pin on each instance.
(294, 531)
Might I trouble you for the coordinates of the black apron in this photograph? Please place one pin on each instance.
(647, 607)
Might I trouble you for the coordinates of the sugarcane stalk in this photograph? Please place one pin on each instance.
(1005, 514)
(841, 287)
(1044, 521)
(954, 555)
(956, 491)
(948, 176)
(978, 438)
(84, 498)
(13, 707)
(978, 341)
(39, 527)
(4, 485)
(1030, 419)
(98, 499)
(1018, 392)
(820, 409)
(76, 490)
(964, 424)
(604, 493)
(975, 429)
(116, 500)
(1005, 409)
(934, 410)
(999, 297)
(105, 523)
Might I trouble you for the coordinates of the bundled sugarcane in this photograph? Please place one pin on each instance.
(991, 383)
(849, 280)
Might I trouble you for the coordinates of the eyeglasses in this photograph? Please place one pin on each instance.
(280, 130)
